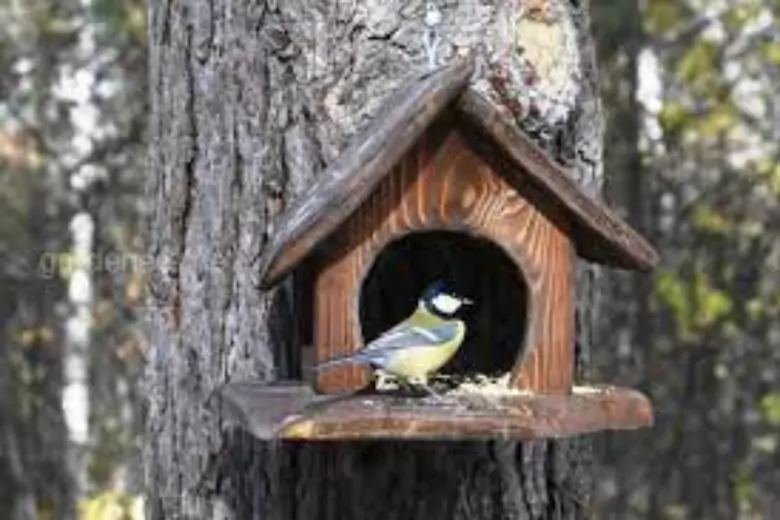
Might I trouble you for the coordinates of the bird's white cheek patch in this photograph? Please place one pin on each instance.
(446, 303)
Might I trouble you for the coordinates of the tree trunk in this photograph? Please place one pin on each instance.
(249, 101)
(630, 322)
(15, 488)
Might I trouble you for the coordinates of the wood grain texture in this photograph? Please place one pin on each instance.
(454, 417)
(443, 183)
(346, 183)
(474, 417)
(600, 236)
(336, 329)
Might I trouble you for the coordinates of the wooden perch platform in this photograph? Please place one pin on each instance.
(454, 417)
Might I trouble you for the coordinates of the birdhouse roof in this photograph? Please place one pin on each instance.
(598, 234)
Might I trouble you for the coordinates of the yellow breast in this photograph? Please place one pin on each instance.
(422, 361)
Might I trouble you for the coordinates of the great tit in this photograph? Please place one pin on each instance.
(419, 345)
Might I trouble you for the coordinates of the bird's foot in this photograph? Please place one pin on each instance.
(422, 383)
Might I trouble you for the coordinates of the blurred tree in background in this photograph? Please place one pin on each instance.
(72, 95)
(690, 90)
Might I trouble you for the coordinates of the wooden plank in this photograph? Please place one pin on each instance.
(262, 408)
(444, 184)
(336, 327)
(600, 236)
(454, 417)
(345, 184)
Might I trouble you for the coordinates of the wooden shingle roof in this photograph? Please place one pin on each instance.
(598, 234)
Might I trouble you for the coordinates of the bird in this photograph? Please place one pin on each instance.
(421, 344)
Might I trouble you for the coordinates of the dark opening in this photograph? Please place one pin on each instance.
(475, 268)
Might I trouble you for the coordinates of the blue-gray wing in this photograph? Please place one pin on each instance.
(401, 337)
(405, 336)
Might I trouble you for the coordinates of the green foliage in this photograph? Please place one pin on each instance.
(123, 18)
(764, 169)
(719, 119)
(699, 64)
(745, 492)
(112, 505)
(662, 16)
(674, 117)
(770, 406)
(696, 305)
(739, 15)
(768, 172)
(707, 218)
(771, 52)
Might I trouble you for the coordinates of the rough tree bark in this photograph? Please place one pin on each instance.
(250, 98)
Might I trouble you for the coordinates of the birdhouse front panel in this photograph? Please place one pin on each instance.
(453, 179)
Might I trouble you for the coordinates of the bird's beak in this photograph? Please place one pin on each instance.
(467, 301)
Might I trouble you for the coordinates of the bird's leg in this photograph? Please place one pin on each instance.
(422, 382)
(432, 392)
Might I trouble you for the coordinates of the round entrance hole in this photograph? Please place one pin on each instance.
(474, 267)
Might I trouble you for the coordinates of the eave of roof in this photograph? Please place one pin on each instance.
(606, 238)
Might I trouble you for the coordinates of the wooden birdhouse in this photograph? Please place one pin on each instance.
(443, 185)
